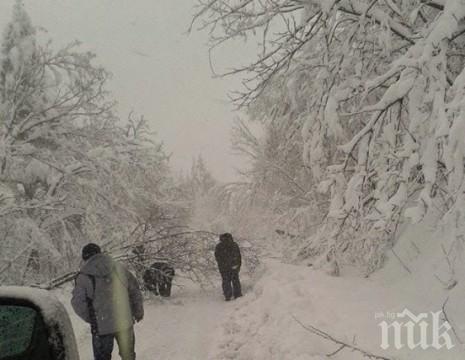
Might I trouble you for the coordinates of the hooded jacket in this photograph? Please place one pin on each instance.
(228, 255)
(107, 296)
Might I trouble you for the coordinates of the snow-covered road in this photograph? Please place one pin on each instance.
(182, 327)
(268, 323)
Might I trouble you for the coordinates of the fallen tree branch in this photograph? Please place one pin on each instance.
(342, 344)
(401, 262)
(61, 280)
(187, 251)
(448, 321)
(164, 237)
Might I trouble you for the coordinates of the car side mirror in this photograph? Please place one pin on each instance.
(34, 326)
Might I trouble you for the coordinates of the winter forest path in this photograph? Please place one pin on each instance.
(182, 327)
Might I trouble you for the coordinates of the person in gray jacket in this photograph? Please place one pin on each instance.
(107, 296)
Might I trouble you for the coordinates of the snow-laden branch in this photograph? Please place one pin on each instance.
(374, 90)
(342, 345)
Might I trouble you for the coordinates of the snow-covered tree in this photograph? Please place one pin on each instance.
(69, 172)
(201, 178)
(375, 90)
(198, 188)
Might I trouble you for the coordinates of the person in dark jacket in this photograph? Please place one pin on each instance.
(107, 296)
(158, 278)
(228, 257)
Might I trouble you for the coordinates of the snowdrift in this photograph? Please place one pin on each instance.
(423, 274)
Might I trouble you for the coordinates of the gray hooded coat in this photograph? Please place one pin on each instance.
(107, 296)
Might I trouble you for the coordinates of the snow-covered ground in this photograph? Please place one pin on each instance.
(269, 321)
(178, 328)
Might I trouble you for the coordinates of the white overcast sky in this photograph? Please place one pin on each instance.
(158, 70)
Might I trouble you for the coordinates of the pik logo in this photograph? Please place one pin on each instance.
(425, 331)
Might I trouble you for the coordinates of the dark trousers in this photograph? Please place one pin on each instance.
(231, 284)
(103, 345)
(164, 288)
